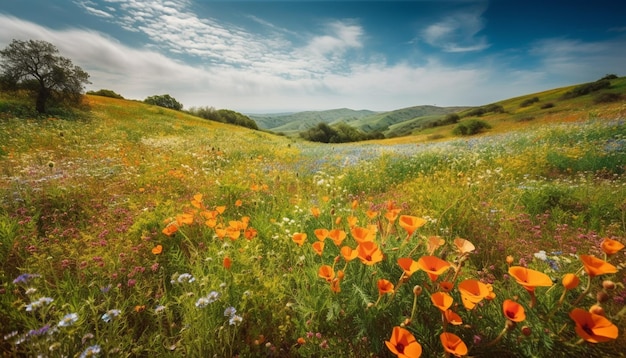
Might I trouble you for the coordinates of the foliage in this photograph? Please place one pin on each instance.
(105, 93)
(224, 116)
(164, 100)
(341, 133)
(607, 97)
(470, 127)
(36, 66)
(479, 111)
(529, 102)
(587, 88)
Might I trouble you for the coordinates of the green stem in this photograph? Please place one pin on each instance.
(584, 293)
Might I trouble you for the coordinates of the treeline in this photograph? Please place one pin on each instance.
(340, 133)
(224, 116)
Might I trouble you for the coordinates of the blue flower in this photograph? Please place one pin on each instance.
(213, 296)
(68, 320)
(230, 311)
(23, 278)
(186, 277)
(39, 332)
(91, 351)
(107, 317)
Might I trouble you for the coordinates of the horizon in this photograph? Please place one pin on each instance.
(271, 57)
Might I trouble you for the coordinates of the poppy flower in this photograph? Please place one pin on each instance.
(337, 235)
(354, 204)
(326, 272)
(334, 285)
(220, 232)
(227, 262)
(452, 317)
(513, 311)
(250, 233)
(170, 229)
(403, 344)
(233, 232)
(433, 266)
(472, 292)
(238, 203)
(369, 253)
(157, 250)
(197, 201)
(392, 215)
(371, 214)
(362, 234)
(441, 300)
(411, 223)
(184, 219)
(321, 234)
(315, 211)
(220, 209)
(433, 243)
(352, 221)
(349, 254)
(408, 265)
(463, 246)
(595, 266)
(446, 286)
(529, 278)
(610, 246)
(299, 238)
(318, 247)
(384, 286)
(570, 281)
(453, 344)
(592, 327)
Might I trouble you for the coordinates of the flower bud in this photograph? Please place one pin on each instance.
(417, 290)
(407, 321)
(570, 281)
(526, 331)
(597, 309)
(602, 297)
(509, 259)
(608, 285)
(509, 325)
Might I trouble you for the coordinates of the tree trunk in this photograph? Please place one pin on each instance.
(42, 98)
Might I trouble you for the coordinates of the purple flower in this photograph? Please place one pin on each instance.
(23, 278)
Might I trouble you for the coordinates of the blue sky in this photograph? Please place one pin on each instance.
(277, 56)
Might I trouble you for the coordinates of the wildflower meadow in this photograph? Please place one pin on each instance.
(142, 231)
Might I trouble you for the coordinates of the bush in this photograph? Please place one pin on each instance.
(479, 111)
(547, 105)
(529, 102)
(164, 100)
(607, 97)
(105, 93)
(587, 88)
(470, 127)
(341, 133)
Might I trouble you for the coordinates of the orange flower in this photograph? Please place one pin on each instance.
(529, 278)
(227, 262)
(318, 247)
(321, 234)
(434, 242)
(220, 232)
(371, 214)
(301, 341)
(452, 318)
(592, 327)
(337, 235)
(369, 253)
(513, 311)
(238, 203)
(453, 344)
(334, 285)
(326, 272)
(403, 344)
(446, 286)
(250, 233)
(411, 223)
(472, 292)
(170, 229)
(315, 211)
(408, 265)
(392, 215)
(233, 233)
(220, 209)
(362, 234)
(352, 221)
(157, 249)
(433, 266)
(570, 281)
(299, 238)
(197, 201)
(384, 286)
(463, 246)
(184, 219)
(441, 300)
(349, 254)
(595, 266)
(610, 246)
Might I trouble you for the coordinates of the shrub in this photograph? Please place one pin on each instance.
(341, 133)
(587, 88)
(547, 105)
(607, 97)
(470, 127)
(105, 93)
(165, 101)
(529, 102)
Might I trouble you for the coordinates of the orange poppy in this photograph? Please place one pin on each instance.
(392, 214)
(184, 219)
(321, 234)
(453, 344)
(157, 250)
(326, 272)
(170, 229)
(349, 254)
(491, 295)
(434, 242)
(384, 286)
(408, 265)
(197, 201)
(371, 214)
(592, 327)
(441, 300)
(513, 311)
(354, 204)
(446, 286)
(452, 317)
(334, 285)
(362, 234)
(463, 246)
(433, 266)
(472, 292)
(220, 209)
(610, 246)
(233, 233)
(570, 281)
(403, 344)
(250, 233)
(238, 203)
(369, 253)
(411, 223)
(220, 232)
(299, 238)
(352, 221)
(337, 235)
(318, 247)
(315, 211)
(595, 266)
(529, 278)
(227, 262)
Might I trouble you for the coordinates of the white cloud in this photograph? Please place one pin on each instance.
(458, 32)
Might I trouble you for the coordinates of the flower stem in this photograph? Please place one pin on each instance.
(584, 293)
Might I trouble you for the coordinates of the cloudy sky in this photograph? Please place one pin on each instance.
(260, 56)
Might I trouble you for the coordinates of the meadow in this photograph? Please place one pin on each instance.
(139, 231)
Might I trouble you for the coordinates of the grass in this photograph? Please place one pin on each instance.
(140, 231)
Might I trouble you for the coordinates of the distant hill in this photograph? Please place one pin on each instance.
(289, 122)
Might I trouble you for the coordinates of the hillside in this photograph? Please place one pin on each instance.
(289, 122)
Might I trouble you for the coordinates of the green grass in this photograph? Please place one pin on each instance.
(85, 204)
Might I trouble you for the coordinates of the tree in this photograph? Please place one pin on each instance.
(164, 100)
(37, 66)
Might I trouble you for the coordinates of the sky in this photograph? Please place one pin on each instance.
(261, 56)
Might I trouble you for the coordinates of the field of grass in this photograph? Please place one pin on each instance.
(140, 231)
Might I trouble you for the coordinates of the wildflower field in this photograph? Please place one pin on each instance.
(140, 231)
